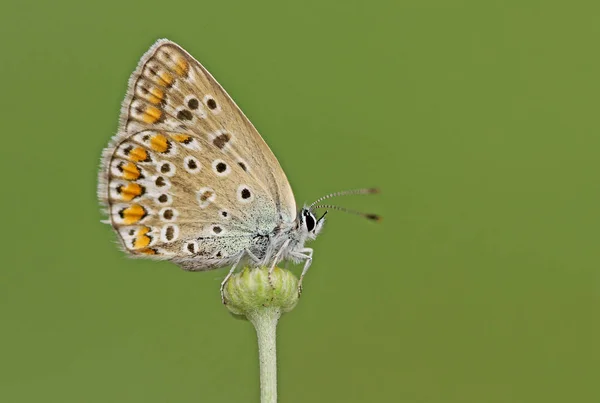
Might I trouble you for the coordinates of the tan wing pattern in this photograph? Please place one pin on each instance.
(187, 175)
(170, 89)
(169, 190)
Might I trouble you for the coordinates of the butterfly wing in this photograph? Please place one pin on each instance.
(188, 177)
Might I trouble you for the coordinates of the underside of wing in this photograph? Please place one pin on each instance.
(175, 195)
(172, 91)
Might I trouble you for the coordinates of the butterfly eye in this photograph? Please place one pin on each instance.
(309, 221)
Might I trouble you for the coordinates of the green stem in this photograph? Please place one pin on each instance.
(265, 323)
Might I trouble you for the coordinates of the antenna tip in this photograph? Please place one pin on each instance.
(373, 217)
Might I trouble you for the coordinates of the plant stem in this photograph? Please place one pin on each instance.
(265, 323)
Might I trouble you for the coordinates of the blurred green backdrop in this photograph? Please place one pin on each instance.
(479, 120)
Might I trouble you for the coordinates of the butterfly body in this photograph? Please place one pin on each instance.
(262, 247)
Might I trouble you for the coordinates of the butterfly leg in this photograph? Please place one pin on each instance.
(232, 270)
(226, 279)
(276, 259)
(306, 254)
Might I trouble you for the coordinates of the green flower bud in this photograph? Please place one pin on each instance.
(252, 290)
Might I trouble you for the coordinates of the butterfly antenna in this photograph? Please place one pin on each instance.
(345, 193)
(373, 217)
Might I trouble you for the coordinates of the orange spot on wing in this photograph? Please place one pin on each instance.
(181, 67)
(133, 214)
(142, 240)
(156, 96)
(159, 143)
(166, 79)
(131, 171)
(131, 191)
(152, 114)
(149, 251)
(181, 138)
(138, 154)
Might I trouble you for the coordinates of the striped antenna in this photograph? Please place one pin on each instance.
(345, 193)
(373, 217)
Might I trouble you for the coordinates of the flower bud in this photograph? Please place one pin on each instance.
(251, 290)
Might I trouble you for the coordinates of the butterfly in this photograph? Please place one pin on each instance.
(188, 179)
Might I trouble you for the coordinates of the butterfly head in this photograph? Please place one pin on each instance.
(308, 224)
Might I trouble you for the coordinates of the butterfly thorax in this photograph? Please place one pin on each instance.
(288, 242)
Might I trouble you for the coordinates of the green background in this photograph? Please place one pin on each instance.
(478, 120)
